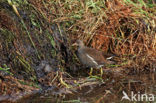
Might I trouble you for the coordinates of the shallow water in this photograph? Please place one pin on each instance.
(107, 92)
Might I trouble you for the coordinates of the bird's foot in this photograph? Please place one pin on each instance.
(101, 72)
(91, 72)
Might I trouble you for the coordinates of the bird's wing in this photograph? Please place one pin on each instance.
(95, 55)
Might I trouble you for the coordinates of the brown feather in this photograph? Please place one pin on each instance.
(92, 57)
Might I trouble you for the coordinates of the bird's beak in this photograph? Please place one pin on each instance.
(74, 44)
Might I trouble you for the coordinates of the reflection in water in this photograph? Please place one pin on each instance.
(111, 90)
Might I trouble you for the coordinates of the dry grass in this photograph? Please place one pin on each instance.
(125, 27)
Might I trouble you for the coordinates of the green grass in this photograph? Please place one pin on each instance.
(6, 69)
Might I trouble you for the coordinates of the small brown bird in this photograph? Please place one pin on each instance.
(91, 57)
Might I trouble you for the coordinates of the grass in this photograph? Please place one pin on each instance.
(72, 101)
(6, 69)
(124, 27)
(29, 84)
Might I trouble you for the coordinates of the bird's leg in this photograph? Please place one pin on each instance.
(91, 71)
(101, 71)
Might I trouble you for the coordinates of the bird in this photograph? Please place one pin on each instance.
(91, 57)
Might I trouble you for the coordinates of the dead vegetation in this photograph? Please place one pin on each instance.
(43, 30)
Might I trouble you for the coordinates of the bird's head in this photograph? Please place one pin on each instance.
(78, 43)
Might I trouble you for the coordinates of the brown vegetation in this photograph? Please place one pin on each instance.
(43, 30)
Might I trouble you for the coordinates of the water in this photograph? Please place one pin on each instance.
(109, 91)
